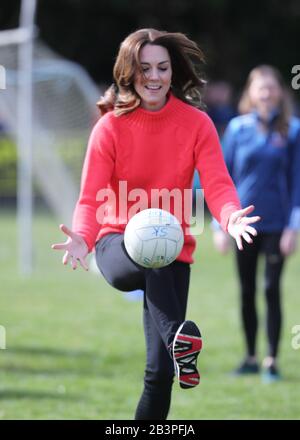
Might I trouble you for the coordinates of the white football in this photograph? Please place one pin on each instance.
(153, 238)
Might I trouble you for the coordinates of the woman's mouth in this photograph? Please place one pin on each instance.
(153, 87)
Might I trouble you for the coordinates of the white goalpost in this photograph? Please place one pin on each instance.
(49, 108)
(24, 138)
(23, 38)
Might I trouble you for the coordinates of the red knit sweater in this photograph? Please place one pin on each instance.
(145, 151)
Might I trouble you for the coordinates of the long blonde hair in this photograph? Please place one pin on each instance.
(185, 56)
(285, 106)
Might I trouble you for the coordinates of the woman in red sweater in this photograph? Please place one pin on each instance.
(152, 136)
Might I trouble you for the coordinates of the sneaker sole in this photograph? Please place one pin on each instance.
(187, 332)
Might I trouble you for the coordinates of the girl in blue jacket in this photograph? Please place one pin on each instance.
(262, 152)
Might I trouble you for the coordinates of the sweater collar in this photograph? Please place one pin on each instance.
(155, 120)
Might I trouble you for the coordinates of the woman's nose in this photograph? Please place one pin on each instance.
(153, 74)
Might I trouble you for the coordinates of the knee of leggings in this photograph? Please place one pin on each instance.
(120, 283)
(117, 283)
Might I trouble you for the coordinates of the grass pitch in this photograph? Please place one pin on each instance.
(75, 347)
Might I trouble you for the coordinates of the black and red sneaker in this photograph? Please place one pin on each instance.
(186, 347)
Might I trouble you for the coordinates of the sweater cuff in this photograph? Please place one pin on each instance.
(226, 212)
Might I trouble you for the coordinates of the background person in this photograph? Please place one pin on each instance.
(262, 152)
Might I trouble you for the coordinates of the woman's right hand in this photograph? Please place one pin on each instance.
(75, 248)
(221, 241)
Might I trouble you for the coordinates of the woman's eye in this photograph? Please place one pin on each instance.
(161, 69)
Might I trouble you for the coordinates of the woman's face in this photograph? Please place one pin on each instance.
(156, 65)
(265, 93)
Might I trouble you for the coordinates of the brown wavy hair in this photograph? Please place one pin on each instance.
(285, 106)
(186, 58)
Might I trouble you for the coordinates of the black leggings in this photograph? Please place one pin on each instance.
(165, 302)
(267, 244)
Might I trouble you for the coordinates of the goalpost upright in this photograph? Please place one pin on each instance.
(24, 139)
(23, 38)
(51, 139)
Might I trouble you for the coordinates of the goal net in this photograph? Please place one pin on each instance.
(63, 112)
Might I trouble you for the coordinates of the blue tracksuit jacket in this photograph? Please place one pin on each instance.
(265, 168)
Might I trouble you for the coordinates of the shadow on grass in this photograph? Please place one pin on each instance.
(77, 370)
(59, 362)
(38, 395)
(49, 351)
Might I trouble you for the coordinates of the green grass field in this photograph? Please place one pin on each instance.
(75, 347)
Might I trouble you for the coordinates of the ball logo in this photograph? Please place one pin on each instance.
(160, 231)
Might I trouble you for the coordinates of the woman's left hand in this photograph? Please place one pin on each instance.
(238, 226)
